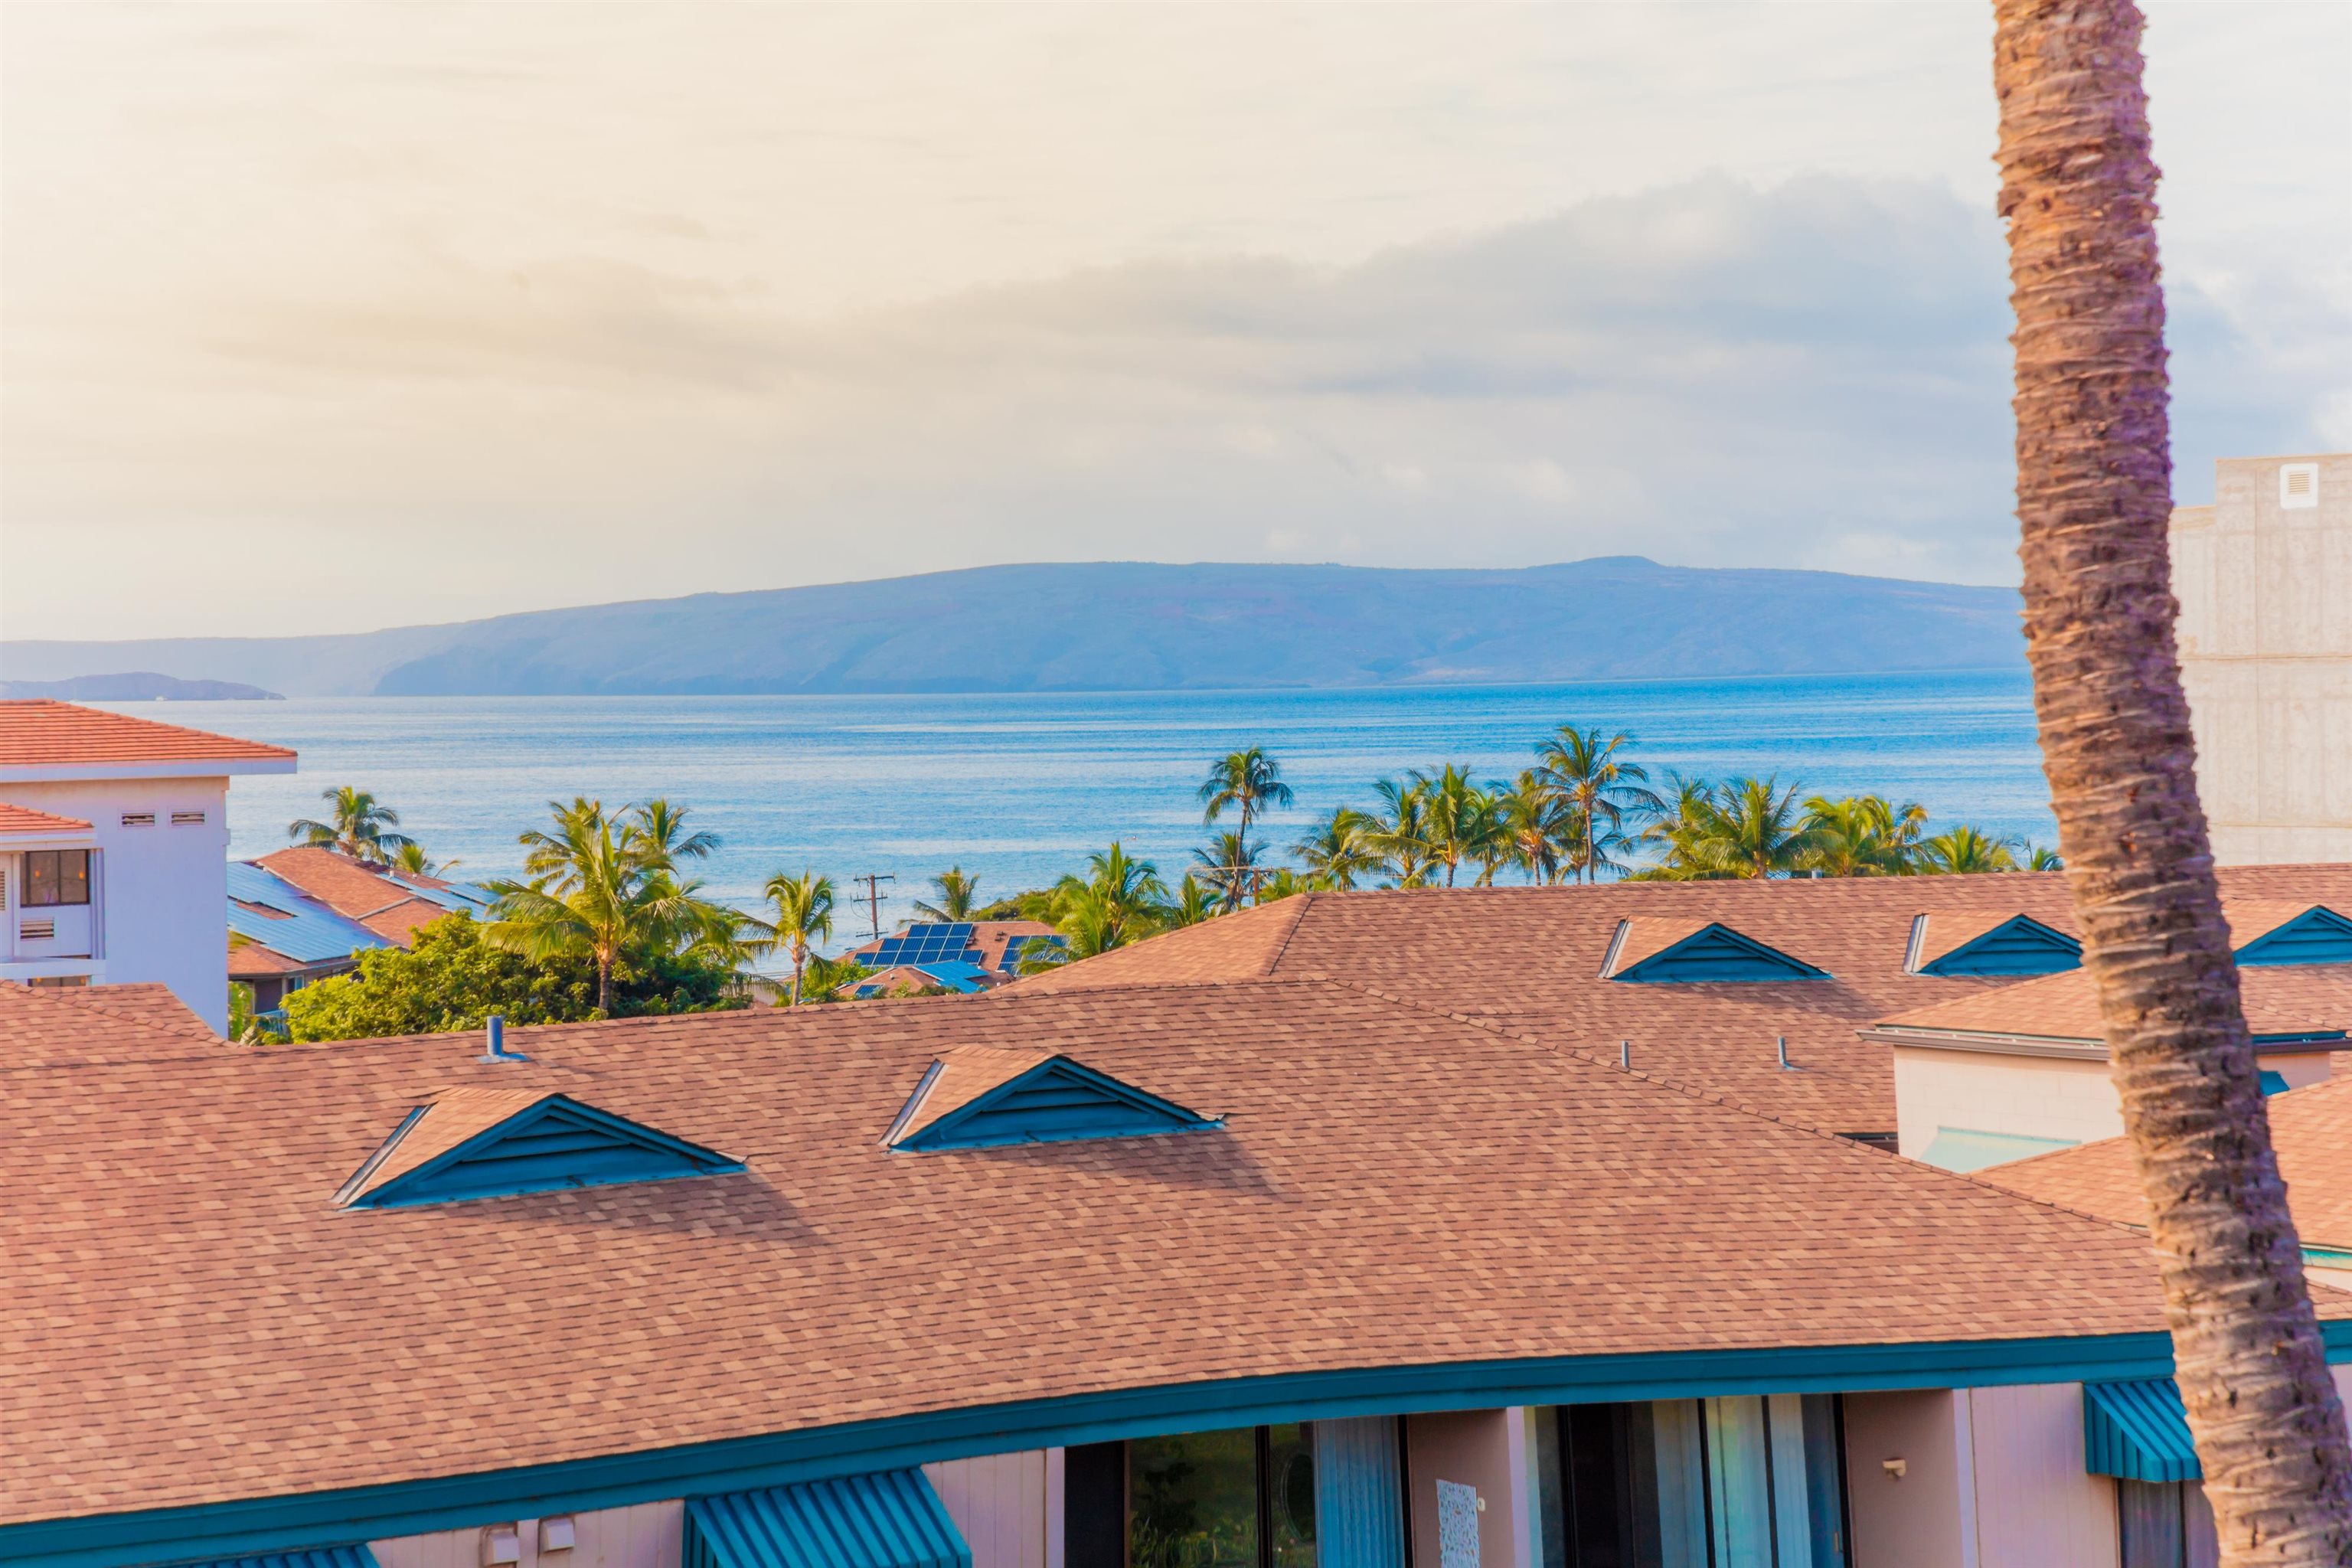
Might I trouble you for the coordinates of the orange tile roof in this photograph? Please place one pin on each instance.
(2310, 1128)
(2284, 999)
(354, 891)
(1534, 955)
(1392, 1186)
(24, 819)
(45, 733)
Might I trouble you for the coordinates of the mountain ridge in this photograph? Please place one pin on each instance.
(1132, 625)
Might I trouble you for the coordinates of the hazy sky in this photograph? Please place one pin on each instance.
(338, 316)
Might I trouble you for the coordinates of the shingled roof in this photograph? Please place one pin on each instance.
(1391, 1187)
(1534, 956)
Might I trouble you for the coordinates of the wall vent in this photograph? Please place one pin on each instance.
(137, 819)
(37, 931)
(2298, 486)
(187, 819)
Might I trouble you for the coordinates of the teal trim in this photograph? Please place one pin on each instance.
(317, 1557)
(889, 1520)
(2318, 935)
(2020, 946)
(556, 1143)
(2137, 1431)
(1717, 952)
(2326, 1257)
(1965, 1149)
(454, 1502)
(1055, 1100)
(2274, 1082)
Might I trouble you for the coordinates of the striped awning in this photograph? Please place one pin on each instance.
(891, 1518)
(316, 1557)
(2139, 1431)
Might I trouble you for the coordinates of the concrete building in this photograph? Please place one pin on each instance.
(2265, 580)
(114, 847)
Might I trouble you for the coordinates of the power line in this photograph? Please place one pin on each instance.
(874, 899)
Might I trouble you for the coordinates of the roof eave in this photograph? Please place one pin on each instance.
(176, 768)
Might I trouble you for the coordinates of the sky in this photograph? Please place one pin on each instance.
(321, 318)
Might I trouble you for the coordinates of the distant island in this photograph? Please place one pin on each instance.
(1114, 627)
(136, 686)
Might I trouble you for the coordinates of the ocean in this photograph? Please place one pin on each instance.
(1018, 788)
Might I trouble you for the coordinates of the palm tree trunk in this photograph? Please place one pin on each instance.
(799, 962)
(605, 983)
(2094, 486)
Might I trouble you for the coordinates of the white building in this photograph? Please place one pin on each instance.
(114, 849)
(2265, 580)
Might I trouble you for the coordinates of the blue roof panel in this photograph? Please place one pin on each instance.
(888, 1520)
(308, 933)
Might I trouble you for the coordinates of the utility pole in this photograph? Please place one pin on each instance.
(873, 899)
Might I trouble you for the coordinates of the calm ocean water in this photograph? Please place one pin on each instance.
(1019, 788)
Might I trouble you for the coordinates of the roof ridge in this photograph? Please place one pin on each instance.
(1305, 902)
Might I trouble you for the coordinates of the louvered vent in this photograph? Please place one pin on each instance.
(187, 819)
(2298, 486)
(137, 819)
(39, 930)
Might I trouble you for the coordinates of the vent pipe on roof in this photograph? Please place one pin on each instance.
(1625, 1055)
(495, 1042)
(1781, 1045)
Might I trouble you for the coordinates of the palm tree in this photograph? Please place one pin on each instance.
(1191, 905)
(412, 860)
(1533, 828)
(1865, 835)
(602, 886)
(1458, 818)
(1747, 828)
(658, 828)
(1604, 791)
(1401, 837)
(2093, 498)
(804, 906)
(357, 824)
(1965, 850)
(1229, 865)
(958, 896)
(1249, 780)
(1119, 901)
(1339, 850)
(2045, 858)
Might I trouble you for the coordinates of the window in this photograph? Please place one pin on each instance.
(57, 877)
(1239, 1499)
(2166, 1524)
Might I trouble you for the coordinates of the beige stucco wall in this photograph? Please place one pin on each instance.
(2035, 1503)
(2033, 1097)
(2265, 635)
(1920, 1520)
(648, 1536)
(1002, 1503)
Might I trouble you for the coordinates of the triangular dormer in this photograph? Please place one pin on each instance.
(1950, 945)
(978, 1096)
(488, 1143)
(1658, 952)
(2317, 935)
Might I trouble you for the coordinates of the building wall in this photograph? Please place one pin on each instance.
(1487, 1449)
(2035, 1096)
(649, 1535)
(2266, 658)
(165, 888)
(1926, 1516)
(1002, 1503)
(2035, 1503)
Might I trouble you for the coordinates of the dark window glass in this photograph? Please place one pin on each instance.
(1193, 1501)
(1094, 1506)
(1290, 1495)
(40, 878)
(73, 876)
(2166, 1525)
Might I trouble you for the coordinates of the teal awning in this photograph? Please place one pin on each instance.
(1965, 1149)
(316, 1557)
(891, 1518)
(2139, 1431)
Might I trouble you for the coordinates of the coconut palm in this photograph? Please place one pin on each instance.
(2093, 499)
(1608, 794)
(1746, 827)
(659, 827)
(1192, 903)
(1121, 899)
(412, 860)
(1534, 827)
(1339, 850)
(1458, 818)
(357, 824)
(1399, 833)
(1865, 835)
(1249, 781)
(1966, 850)
(804, 906)
(955, 896)
(603, 885)
(2045, 858)
(1228, 866)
